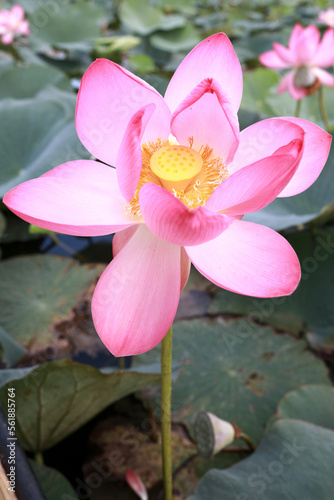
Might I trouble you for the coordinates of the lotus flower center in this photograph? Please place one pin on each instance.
(176, 165)
(190, 175)
(304, 77)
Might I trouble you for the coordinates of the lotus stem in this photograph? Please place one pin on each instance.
(248, 440)
(298, 106)
(166, 391)
(39, 457)
(323, 109)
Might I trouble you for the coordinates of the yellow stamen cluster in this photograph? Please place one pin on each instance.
(196, 190)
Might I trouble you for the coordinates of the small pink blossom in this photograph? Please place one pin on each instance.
(136, 484)
(327, 17)
(12, 23)
(185, 176)
(306, 54)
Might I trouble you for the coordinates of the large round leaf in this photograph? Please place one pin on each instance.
(258, 85)
(141, 17)
(68, 26)
(36, 291)
(237, 370)
(12, 351)
(312, 403)
(179, 39)
(38, 134)
(293, 462)
(24, 82)
(59, 397)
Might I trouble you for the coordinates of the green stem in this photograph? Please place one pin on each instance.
(323, 109)
(65, 247)
(62, 245)
(39, 457)
(248, 440)
(14, 52)
(121, 363)
(166, 391)
(298, 106)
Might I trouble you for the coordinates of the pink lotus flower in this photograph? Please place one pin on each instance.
(327, 17)
(12, 23)
(307, 55)
(184, 178)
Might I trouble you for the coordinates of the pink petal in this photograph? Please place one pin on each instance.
(207, 116)
(4, 16)
(325, 77)
(307, 45)
(327, 17)
(286, 55)
(24, 28)
(136, 298)
(272, 60)
(262, 139)
(108, 98)
(79, 198)
(287, 83)
(121, 238)
(136, 484)
(185, 268)
(169, 219)
(249, 259)
(255, 186)
(129, 159)
(17, 11)
(212, 58)
(294, 37)
(324, 55)
(317, 144)
(7, 38)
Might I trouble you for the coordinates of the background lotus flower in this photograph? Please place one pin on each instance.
(12, 23)
(184, 178)
(327, 17)
(307, 55)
